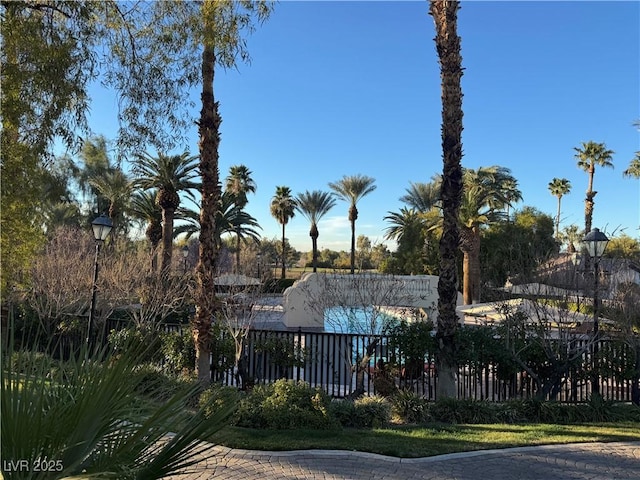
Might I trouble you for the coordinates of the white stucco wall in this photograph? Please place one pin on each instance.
(305, 300)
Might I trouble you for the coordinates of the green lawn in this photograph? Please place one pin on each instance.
(424, 441)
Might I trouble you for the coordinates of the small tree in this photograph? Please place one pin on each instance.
(236, 316)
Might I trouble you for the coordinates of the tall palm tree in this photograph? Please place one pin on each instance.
(283, 209)
(445, 17)
(558, 188)
(351, 189)
(313, 206)
(145, 208)
(590, 154)
(486, 193)
(117, 188)
(238, 184)
(170, 175)
(634, 167)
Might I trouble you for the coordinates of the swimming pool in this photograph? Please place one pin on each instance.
(363, 320)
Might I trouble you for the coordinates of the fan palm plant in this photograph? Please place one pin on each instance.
(590, 154)
(559, 187)
(282, 209)
(313, 206)
(238, 184)
(351, 189)
(170, 175)
(85, 419)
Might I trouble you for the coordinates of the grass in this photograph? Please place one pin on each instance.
(425, 441)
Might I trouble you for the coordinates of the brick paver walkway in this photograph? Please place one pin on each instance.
(584, 461)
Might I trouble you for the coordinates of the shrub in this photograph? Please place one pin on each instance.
(373, 411)
(178, 351)
(153, 382)
(409, 407)
(285, 404)
(463, 411)
(139, 339)
(217, 397)
(344, 412)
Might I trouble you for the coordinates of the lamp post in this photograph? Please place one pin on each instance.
(185, 254)
(596, 242)
(101, 228)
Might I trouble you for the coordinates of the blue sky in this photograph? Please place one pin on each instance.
(344, 88)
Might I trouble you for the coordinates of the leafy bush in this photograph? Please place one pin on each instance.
(178, 351)
(463, 411)
(409, 407)
(285, 404)
(154, 383)
(373, 411)
(344, 412)
(142, 340)
(217, 397)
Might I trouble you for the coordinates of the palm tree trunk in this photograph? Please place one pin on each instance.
(238, 249)
(353, 215)
(284, 254)
(470, 246)
(353, 246)
(444, 14)
(205, 298)
(558, 217)
(167, 240)
(314, 249)
(589, 202)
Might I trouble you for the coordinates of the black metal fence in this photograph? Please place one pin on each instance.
(328, 361)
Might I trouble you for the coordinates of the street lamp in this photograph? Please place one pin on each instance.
(101, 228)
(185, 254)
(595, 242)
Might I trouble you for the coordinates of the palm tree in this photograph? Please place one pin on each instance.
(558, 188)
(117, 188)
(238, 184)
(145, 208)
(95, 163)
(634, 167)
(283, 209)
(589, 155)
(313, 206)
(408, 228)
(351, 189)
(422, 196)
(571, 236)
(445, 16)
(486, 193)
(229, 219)
(170, 175)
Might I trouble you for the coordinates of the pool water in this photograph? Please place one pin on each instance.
(363, 320)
